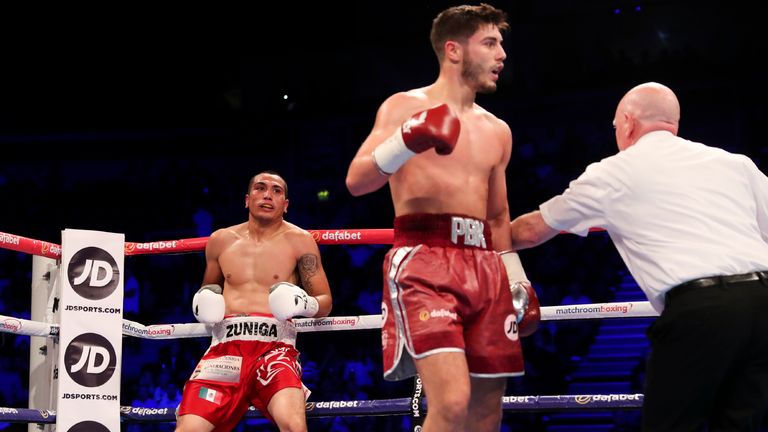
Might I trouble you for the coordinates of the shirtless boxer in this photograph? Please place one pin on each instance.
(252, 358)
(447, 304)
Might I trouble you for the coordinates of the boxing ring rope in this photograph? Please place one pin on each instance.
(25, 327)
(381, 407)
(197, 244)
(398, 406)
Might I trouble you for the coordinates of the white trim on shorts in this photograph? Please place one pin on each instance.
(404, 366)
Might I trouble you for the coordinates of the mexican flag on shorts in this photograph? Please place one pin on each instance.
(210, 395)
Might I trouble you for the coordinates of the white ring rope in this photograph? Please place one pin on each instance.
(401, 406)
(22, 326)
(361, 322)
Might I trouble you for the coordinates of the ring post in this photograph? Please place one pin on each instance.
(41, 355)
(92, 273)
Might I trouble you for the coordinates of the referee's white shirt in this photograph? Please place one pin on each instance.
(675, 209)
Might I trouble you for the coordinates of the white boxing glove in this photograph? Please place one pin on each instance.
(286, 300)
(208, 304)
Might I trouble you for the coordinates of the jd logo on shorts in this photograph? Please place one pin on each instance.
(510, 327)
(93, 273)
(88, 426)
(90, 360)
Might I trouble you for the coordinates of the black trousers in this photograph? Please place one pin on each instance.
(709, 359)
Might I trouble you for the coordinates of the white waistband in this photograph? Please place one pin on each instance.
(253, 328)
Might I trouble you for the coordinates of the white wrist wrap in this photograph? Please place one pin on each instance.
(390, 155)
(516, 276)
(312, 307)
(514, 267)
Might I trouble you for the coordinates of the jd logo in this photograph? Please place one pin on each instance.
(90, 360)
(92, 354)
(93, 273)
(510, 327)
(88, 426)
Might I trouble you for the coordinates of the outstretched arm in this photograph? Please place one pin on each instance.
(530, 230)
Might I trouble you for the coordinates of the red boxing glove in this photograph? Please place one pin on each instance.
(436, 128)
(527, 308)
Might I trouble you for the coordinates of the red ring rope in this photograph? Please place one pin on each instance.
(339, 236)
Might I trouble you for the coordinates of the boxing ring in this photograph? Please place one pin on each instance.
(412, 404)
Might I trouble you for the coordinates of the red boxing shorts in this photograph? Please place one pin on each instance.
(250, 359)
(446, 290)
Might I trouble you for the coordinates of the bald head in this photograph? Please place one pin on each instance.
(652, 102)
(646, 108)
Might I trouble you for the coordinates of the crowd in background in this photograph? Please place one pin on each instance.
(190, 195)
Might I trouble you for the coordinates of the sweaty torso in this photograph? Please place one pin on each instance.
(250, 267)
(456, 183)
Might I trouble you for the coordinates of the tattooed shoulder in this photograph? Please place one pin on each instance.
(307, 267)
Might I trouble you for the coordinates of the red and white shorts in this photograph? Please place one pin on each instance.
(446, 290)
(250, 359)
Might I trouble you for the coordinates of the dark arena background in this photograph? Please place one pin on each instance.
(150, 123)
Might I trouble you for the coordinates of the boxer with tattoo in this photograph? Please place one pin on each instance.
(249, 294)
